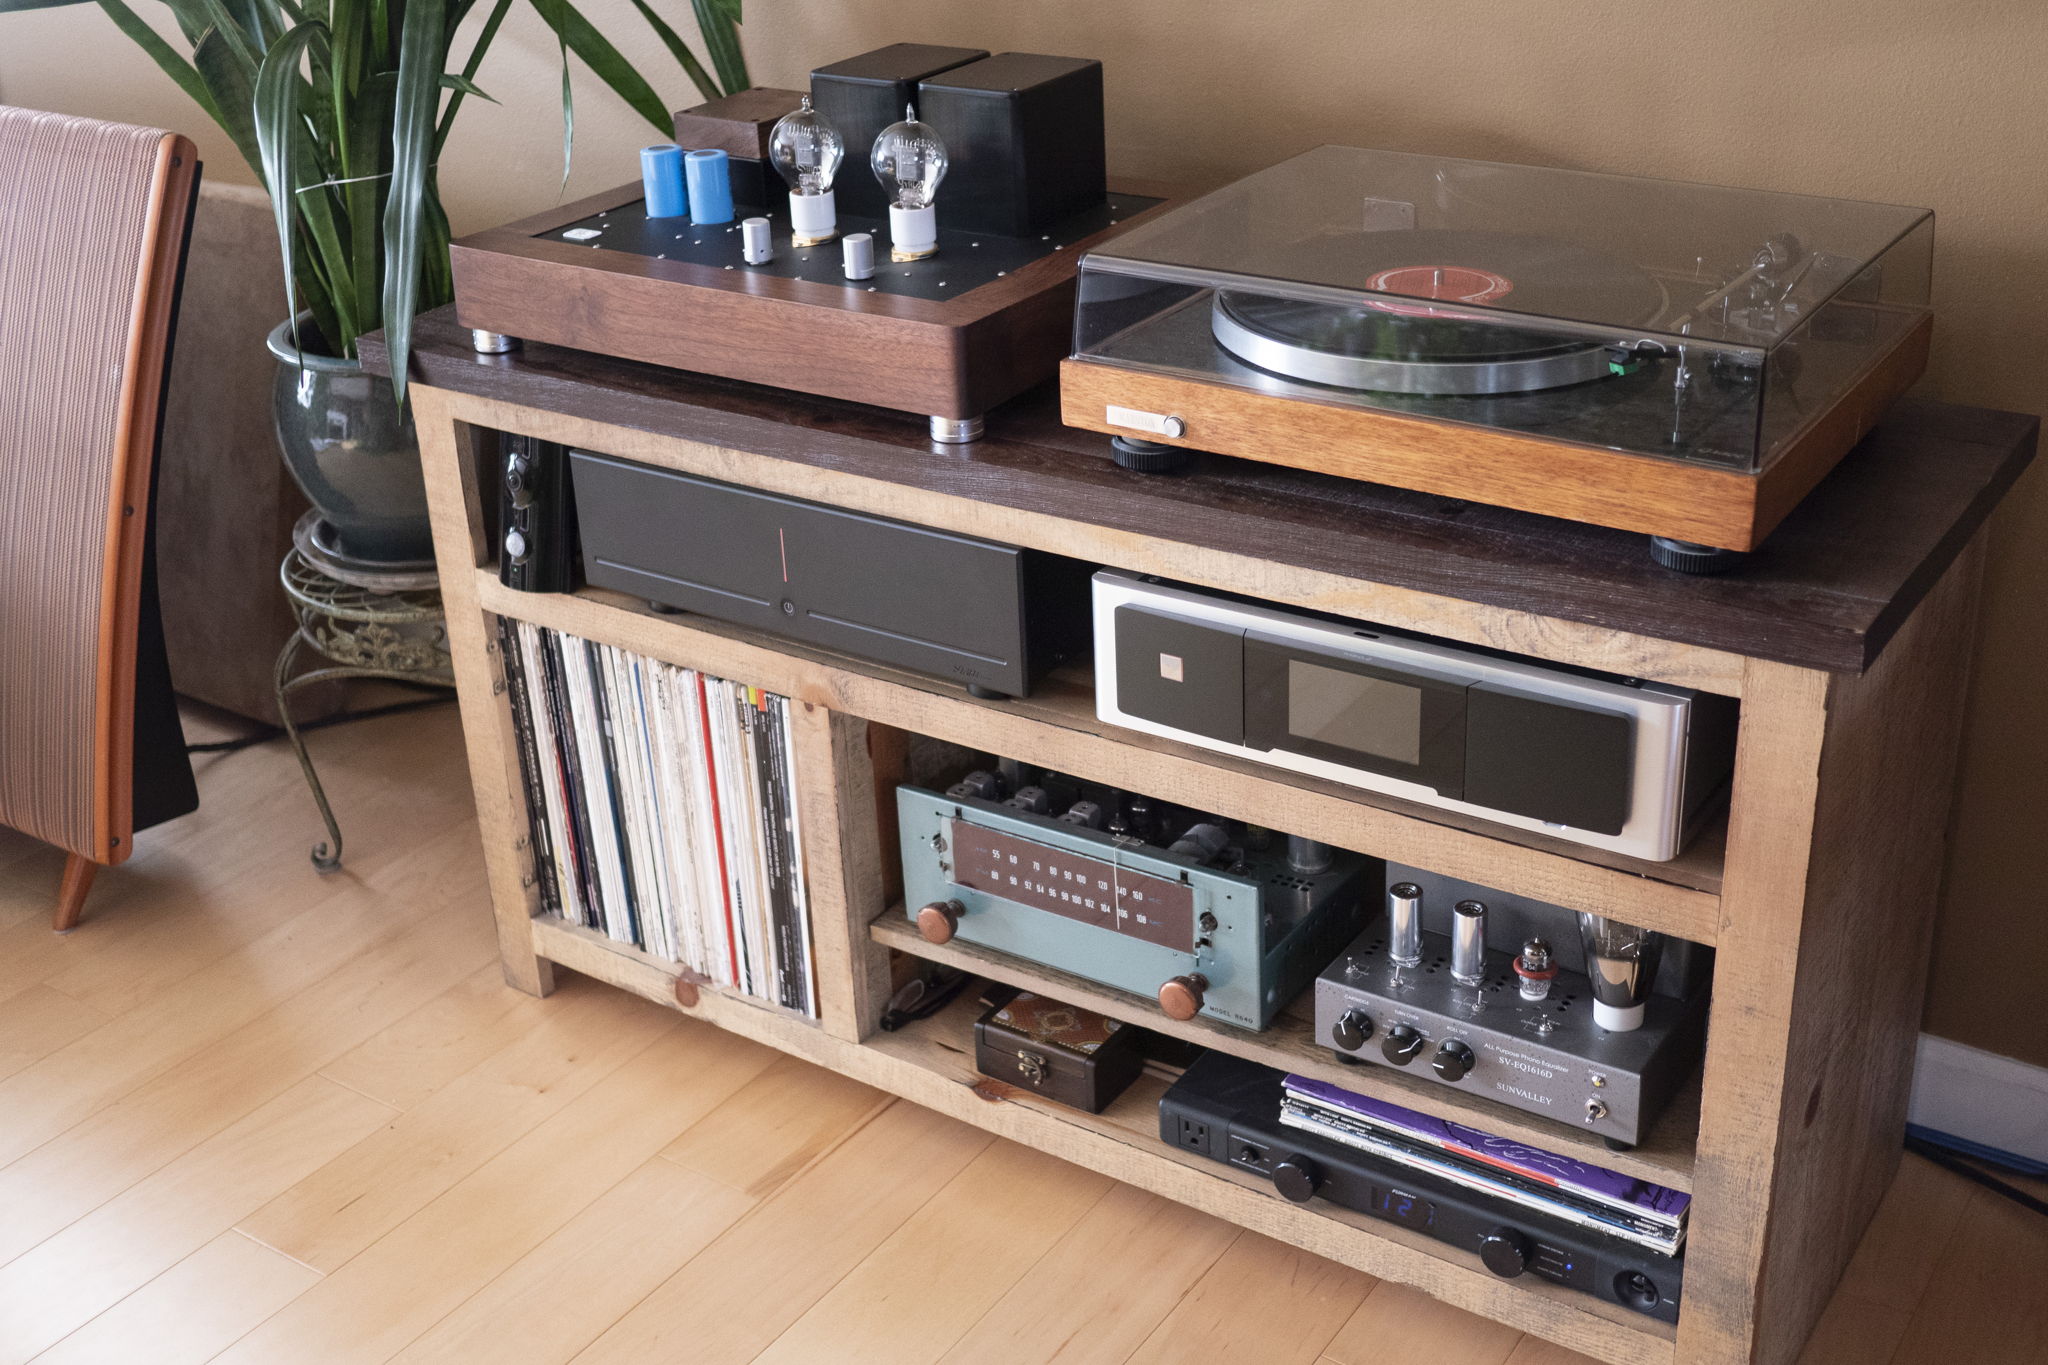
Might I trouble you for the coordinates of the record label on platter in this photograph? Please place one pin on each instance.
(1392, 347)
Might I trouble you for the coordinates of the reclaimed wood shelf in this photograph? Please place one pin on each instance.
(1846, 641)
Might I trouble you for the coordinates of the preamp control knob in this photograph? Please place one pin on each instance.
(515, 546)
(940, 920)
(1351, 1031)
(1298, 1178)
(1505, 1252)
(1453, 1060)
(1181, 998)
(1402, 1044)
(516, 471)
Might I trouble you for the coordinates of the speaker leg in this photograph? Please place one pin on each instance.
(71, 892)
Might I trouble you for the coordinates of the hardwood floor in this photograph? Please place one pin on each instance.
(256, 1115)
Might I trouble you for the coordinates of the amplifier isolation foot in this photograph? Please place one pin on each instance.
(957, 431)
(491, 343)
(1686, 557)
(1148, 457)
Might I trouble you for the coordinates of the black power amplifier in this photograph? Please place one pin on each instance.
(1228, 1109)
(988, 616)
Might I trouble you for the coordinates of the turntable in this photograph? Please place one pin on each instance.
(1683, 360)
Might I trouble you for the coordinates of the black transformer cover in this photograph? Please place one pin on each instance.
(976, 612)
(1024, 140)
(863, 95)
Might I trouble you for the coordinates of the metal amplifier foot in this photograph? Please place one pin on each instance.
(956, 431)
(492, 343)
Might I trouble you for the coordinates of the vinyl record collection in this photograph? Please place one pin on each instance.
(664, 812)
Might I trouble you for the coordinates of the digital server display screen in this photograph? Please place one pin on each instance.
(1351, 711)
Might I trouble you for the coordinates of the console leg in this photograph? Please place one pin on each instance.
(987, 693)
(1686, 557)
(663, 608)
(957, 431)
(492, 343)
(1346, 1059)
(1148, 457)
(71, 892)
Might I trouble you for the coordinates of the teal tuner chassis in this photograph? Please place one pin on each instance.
(1237, 937)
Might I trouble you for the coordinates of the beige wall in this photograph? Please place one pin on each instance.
(1921, 103)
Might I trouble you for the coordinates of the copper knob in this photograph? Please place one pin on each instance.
(939, 921)
(1181, 998)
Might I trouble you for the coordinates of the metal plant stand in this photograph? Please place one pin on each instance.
(371, 622)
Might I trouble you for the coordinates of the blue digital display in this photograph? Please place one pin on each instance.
(1398, 1206)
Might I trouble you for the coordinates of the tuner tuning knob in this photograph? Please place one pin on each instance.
(1181, 998)
(1351, 1030)
(1453, 1060)
(1505, 1252)
(940, 920)
(1401, 1044)
(1297, 1179)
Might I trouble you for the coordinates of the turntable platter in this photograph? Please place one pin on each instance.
(1388, 345)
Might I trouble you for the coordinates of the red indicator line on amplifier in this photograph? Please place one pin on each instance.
(782, 539)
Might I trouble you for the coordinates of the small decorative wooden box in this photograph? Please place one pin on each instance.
(1063, 1052)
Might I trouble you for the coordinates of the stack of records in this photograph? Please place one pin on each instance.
(663, 810)
(1516, 1173)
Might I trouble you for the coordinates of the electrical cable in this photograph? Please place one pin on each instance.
(270, 732)
(1949, 1161)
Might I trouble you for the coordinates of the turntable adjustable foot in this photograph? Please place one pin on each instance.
(1686, 557)
(1148, 457)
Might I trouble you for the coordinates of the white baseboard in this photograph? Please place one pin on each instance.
(1981, 1096)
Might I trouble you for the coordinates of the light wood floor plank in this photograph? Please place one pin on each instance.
(424, 1050)
(736, 1296)
(1262, 1300)
(1987, 1301)
(988, 1226)
(380, 1302)
(37, 1022)
(69, 1084)
(395, 1172)
(118, 1145)
(61, 1284)
(1536, 1351)
(1098, 1293)
(187, 1314)
(778, 1124)
(557, 1298)
(1397, 1325)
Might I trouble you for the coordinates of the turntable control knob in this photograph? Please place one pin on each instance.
(1453, 1060)
(938, 921)
(1352, 1029)
(1298, 1178)
(1505, 1252)
(515, 546)
(1181, 998)
(1401, 1044)
(1172, 428)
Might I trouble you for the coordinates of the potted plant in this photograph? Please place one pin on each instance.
(342, 108)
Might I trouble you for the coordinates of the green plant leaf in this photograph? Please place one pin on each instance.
(162, 53)
(469, 70)
(422, 48)
(722, 42)
(231, 81)
(673, 41)
(277, 139)
(604, 60)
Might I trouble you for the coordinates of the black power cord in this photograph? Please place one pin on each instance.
(1950, 1161)
(265, 734)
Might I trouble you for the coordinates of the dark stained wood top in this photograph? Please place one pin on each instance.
(1828, 589)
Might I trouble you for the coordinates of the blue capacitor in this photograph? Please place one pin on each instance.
(661, 180)
(710, 185)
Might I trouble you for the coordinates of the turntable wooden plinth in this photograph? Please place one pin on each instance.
(1705, 505)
